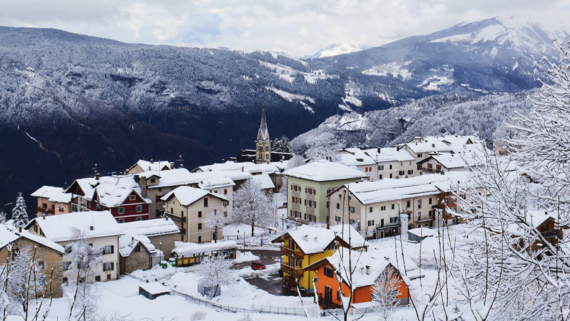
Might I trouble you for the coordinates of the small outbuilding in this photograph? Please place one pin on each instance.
(419, 234)
(153, 290)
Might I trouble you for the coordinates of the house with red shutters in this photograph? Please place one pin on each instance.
(118, 194)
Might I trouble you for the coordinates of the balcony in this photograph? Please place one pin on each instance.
(291, 270)
(387, 225)
(327, 304)
(42, 210)
(431, 170)
(549, 233)
(292, 253)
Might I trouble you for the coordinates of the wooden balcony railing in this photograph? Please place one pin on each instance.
(326, 304)
(291, 270)
(42, 210)
(549, 233)
(292, 253)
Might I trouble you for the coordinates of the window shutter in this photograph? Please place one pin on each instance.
(315, 203)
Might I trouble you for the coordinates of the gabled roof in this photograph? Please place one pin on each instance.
(158, 226)
(264, 181)
(59, 228)
(112, 191)
(457, 160)
(9, 235)
(53, 194)
(216, 182)
(152, 166)
(187, 195)
(312, 239)
(128, 242)
(322, 171)
(181, 177)
(274, 167)
(422, 232)
(357, 157)
(450, 143)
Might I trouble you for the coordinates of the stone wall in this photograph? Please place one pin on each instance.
(167, 243)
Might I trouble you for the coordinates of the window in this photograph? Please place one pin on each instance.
(98, 278)
(132, 197)
(420, 155)
(429, 166)
(66, 265)
(408, 204)
(160, 189)
(380, 176)
(226, 191)
(109, 249)
(65, 280)
(352, 209)
(410, 171)
(390, 175)
(121, 220)
(401, 173)
(419, 203)
(44, 205)
(383, 207)
(329, 272)
(370, 209)
(429, 201)
(337, 206)
(371, 223)
(53, 206)
(199, 239)
(138, 208)
(393, 220)
(205, 202)
(401, 163)
(390, 166)
(199, 213)
(152, 180)
(41, 265)
(438, 167)
(337, 219)
(35, 228)
(225, 214)
(108, 266)
(137, 248)
(393, 206)
(120, 210)
(199, 226)
(380, 167)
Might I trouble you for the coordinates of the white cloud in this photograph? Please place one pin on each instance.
(293, 26)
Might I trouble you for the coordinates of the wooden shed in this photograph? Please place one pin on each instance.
(153, 290)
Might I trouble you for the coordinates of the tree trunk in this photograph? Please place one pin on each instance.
(216, 235)
(252, 227)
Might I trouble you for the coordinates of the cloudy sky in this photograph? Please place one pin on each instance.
(292, 26)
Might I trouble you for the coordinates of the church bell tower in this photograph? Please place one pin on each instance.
(263, 142)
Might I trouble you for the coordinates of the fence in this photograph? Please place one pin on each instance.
(211, 304)
(312, 312)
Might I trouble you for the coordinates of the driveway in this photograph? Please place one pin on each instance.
(270, 282)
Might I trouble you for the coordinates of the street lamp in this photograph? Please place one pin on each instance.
(160, 246)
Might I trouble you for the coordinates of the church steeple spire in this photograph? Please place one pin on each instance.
(263, 141)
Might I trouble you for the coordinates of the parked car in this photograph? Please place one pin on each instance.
(257, 265)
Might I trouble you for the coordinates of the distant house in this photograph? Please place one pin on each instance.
(265, 182)
(189, 207)
(100, 228)
(419, 234)
(153, 290)
(422, 147)
(309, 244)
(119, 194)
(380, 163)
(273, 169)
(155, 185)
(48, 256)
(150, 166)
(53, 201)
(308, 186)
(544, 222)
(161, 232)
(367, 267)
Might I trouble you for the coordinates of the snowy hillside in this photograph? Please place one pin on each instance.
(335, 50)
(433, 116)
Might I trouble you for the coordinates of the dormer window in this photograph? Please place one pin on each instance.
(152, 180)
(132, 197)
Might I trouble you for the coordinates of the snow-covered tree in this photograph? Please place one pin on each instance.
(215, 272)
(252, 206)
(2, 217)
(295, 161)
(19, 214)
(282, 145)
(216, 222)
(81, 274)
(385, 292)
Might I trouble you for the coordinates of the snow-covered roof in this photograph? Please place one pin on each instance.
(187, 195)
(458, 160)
(128, 242)
(152, 166)
(60, 228)
(422, 232)
(536, 218)
(9, 235)
(264, 181)
(216, 182)
(112, 191)
(53, 194)
(274, 167)
(154, 288)
(356, 156)
(181, 176)
(189, 249)
(322, 171)
(158, 226)
(376, 261)
(396, 189)
(313, 239)
(450, 143)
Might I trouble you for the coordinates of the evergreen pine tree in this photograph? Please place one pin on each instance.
(19, 214)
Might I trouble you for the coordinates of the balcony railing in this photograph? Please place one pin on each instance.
(291, 270)
(42, 210)
(431, 170)
(549, 233)
(292, 253)
(328, 304)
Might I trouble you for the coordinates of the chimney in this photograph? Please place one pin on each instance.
(181, 166)
(44, 216)
(397, 148)
(152, 161)
(92, 227)
(97, 176)
(20, 229)
(368, 270)
(433, 145)
(378, 150)
(171, 165)
(242, 168)
(114, 173)
(306, 237)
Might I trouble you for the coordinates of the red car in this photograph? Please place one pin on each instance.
(257, 265)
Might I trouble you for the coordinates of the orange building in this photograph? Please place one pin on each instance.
(367, 267)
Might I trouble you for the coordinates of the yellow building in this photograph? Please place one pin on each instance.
(307, 245)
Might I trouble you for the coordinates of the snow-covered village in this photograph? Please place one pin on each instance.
(205, 161)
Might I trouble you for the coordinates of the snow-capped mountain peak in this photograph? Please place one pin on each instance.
(336, 49)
